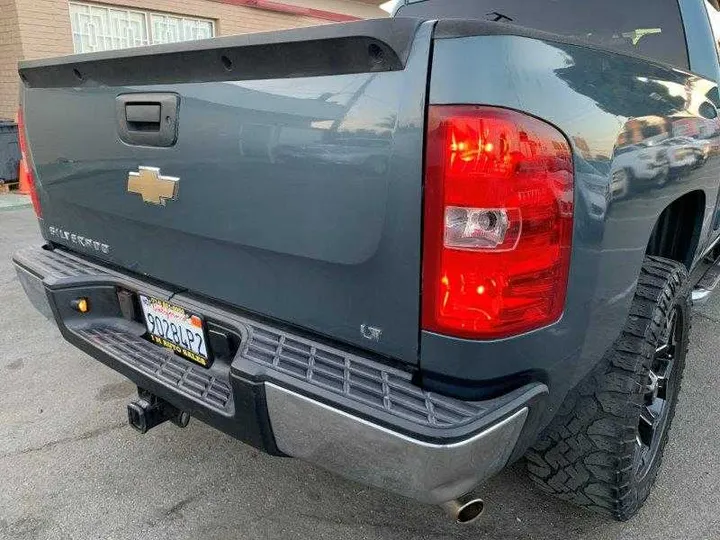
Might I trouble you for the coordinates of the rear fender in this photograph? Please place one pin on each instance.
(603, 102)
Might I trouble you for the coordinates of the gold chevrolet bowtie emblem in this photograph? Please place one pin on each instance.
(152, 186)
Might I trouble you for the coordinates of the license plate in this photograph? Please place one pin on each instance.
(175, 328)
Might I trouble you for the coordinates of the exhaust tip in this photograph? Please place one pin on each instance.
(465, 511)
(470, 511)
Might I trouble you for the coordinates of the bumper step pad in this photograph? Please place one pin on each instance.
(56, 265)
(358, 379)
(195, 382)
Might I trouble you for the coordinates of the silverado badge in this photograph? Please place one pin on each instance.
(152, 186)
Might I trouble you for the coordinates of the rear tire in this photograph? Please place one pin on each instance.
(604, 448)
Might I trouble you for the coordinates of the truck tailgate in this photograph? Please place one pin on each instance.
(285, 180)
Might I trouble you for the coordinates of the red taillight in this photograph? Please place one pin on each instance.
(26, 173)
(498, 222)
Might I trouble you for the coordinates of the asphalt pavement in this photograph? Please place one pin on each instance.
(70, 467)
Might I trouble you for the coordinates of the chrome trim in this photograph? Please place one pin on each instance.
(708, 248)
(700, 297)
(371, 454)
(464, 511)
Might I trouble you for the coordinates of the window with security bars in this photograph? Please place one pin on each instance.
(101, 28)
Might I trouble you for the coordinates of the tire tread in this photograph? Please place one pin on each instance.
(585, 455)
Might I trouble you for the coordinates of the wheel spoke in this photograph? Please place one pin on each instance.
(663, 361)
(662, 368)
(640, 451)
(668, 339)
(651, 388)
(663, 350)
(659, 387)
(648, 417)
(663, 379)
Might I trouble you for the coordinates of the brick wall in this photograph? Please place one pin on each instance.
(45, 24)
(229, 19)
(44, 28)
(31, 29)
(10, 51)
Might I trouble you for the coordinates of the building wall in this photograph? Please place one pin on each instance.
(10, 51)
(41, 28)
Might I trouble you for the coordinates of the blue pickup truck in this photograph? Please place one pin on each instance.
(411, 251)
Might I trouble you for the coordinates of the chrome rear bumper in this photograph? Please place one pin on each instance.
(370, 454)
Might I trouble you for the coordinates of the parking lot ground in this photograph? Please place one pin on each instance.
(13, 201)
(70, 467)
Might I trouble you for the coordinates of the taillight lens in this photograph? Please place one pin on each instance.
(26, 170)
(498, 222)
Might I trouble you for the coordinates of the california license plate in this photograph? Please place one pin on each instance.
(175, 328)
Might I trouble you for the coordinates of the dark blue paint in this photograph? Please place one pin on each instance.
(599, 100)
(299, 198)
